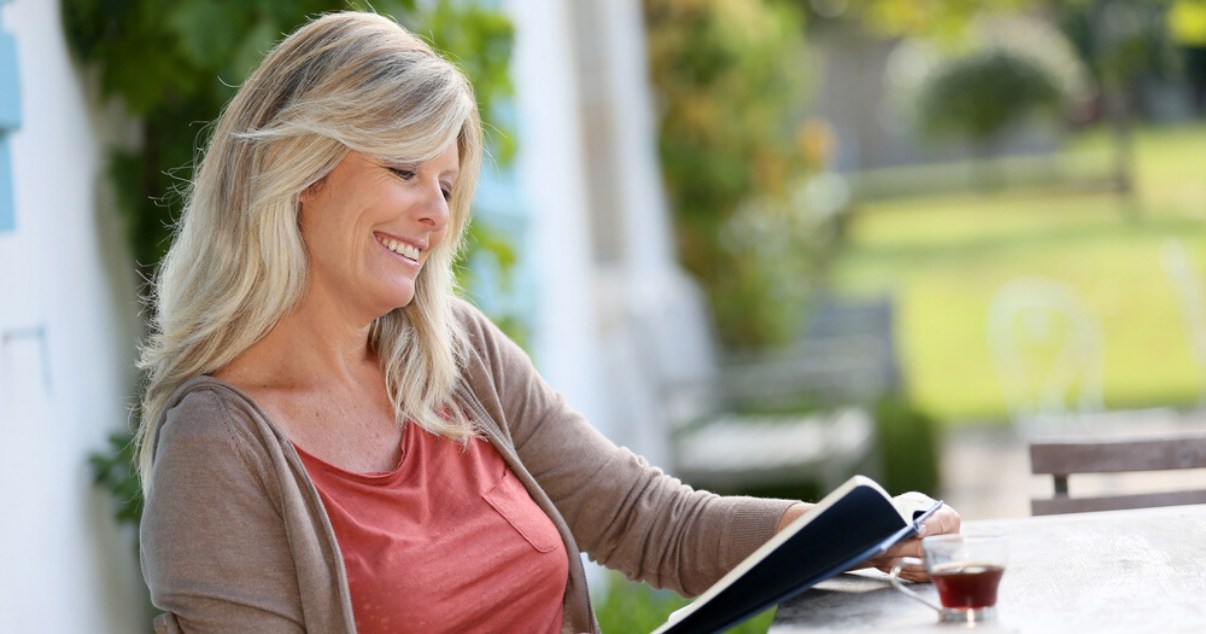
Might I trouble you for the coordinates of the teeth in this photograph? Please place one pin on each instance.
(401, 248)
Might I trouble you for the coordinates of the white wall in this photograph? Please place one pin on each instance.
(65, 271)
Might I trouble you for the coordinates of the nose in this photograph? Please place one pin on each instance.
(433, 211)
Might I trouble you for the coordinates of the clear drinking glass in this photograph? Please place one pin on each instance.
(966, 571)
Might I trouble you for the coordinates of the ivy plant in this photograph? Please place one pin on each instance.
(731, 80)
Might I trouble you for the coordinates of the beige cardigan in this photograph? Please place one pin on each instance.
(235, 538)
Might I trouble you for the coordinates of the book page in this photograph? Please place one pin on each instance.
(912, 504)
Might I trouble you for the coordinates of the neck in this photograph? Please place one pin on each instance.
(314, 345)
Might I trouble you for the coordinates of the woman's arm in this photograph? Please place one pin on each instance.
(624, 512)
(215, 552)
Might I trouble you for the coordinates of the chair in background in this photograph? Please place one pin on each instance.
(1046, 345)
(1046, 348)
(1065, 457)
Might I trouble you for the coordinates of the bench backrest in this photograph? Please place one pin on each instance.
(1063, 457)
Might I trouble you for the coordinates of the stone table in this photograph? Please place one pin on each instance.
(1130, 571)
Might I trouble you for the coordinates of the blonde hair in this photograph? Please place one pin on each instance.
(345, 81)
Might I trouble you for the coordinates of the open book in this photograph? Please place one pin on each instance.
(859, 520)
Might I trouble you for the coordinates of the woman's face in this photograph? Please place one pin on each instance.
(369, 227)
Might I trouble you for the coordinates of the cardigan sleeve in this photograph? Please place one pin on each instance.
(625, 513)
(215, 551)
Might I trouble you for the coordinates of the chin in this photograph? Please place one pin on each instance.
(384, 303)
(401, 299)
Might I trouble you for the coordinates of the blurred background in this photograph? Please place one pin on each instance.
(766, 243)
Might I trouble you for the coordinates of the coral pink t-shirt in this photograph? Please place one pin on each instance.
(449, 541)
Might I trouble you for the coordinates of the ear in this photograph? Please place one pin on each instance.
(308, 193)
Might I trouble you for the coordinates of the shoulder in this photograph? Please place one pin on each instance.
(484, 342)
(206, 417)
(213, 445)
(471, 321)
(494, 367)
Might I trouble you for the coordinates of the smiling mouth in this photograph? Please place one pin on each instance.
(401, 248)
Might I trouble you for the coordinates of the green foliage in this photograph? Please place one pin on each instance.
(980, 96)
(114, 470)
(730, 78)
(908, 446)
(1187, 22)
(630, 608)
(1122, 40)
(943, 19)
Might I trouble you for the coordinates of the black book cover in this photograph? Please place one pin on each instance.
(858, 520)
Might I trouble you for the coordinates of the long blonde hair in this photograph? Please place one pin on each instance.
(345, 81)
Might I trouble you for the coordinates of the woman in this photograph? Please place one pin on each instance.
(331, 442)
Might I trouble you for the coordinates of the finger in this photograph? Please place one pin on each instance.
(945, 521)
(917, 576)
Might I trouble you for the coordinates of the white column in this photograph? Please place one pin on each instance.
(643, 199)
(550, 170)
(657, 325)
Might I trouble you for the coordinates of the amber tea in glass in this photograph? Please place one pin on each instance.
(966, 571)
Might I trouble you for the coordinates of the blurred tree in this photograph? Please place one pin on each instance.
(1187, 27)
(1124, 42)
(979, 96)
(730, 77)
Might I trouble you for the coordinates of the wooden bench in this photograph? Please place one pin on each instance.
(793, 415)
(1063, 457)
(734, 452)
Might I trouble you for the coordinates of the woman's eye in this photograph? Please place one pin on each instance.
(447, 194)
(403, 173)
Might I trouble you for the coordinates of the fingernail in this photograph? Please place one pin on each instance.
(923, 530)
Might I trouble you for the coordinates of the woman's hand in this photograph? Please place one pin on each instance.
(944, 521)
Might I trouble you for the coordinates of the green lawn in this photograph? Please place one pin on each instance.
(944, 257)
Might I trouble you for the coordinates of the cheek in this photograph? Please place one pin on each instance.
(329, 241)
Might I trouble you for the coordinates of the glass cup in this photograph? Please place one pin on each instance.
(965, 570)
